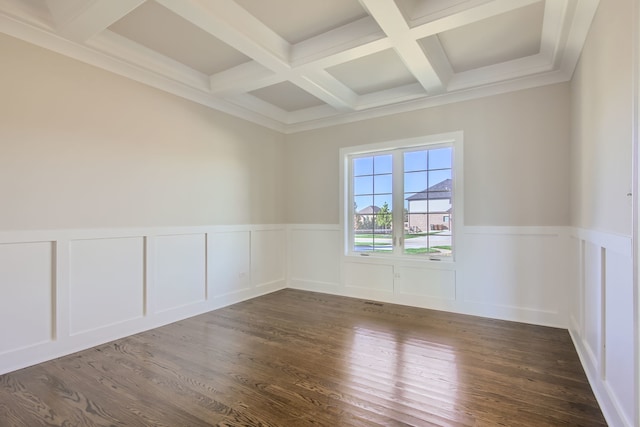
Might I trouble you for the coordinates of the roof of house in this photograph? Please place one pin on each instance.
(441, 190)
(369, 210)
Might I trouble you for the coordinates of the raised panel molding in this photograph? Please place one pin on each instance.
(618, 330)
(593, 298)
(430, 283)
(26, 295)
(268, 257)
(522, 268)
(180, 271)
(374, 277)
(601, 324)
(229, 263)
(106, 283)
(317, 255)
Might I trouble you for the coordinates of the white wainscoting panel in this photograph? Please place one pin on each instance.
(618, 330)
(106, 282)
(515, 273)
(229, 260)
(268, 257)
(373, 277)
(576, 291)
(593, 293)
(314, 258)
(423, 282)
(180, 275)
(26, 295)
(602, 325)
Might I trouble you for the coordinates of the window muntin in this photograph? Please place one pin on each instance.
(420, 179)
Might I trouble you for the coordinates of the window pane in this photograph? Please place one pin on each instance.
(383, 164)
(415, 182)
(382, 237)
(362, 203)
(382, 184)
(363, 185)
(417, 203)
(415, 161)
(440, 191)
(440, 158)
(417, 223)
(440, 243)
(437, 178)
(415, 243)
(383, 221)
(383, 201)
(363, 241)
(427, 235)
(363, 166)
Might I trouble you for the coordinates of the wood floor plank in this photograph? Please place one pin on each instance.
(295, 358)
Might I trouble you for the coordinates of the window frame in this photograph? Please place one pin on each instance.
(396, 147)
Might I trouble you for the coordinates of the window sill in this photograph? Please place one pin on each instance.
(441, 263)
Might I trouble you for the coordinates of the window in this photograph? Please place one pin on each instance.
(401, 200)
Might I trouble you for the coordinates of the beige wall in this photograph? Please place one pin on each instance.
(516, 157)
(601, 127)
(83, 148)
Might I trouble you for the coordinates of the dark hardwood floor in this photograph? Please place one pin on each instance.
(296, 358)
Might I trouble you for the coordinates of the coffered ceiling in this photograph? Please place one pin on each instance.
(293, 65)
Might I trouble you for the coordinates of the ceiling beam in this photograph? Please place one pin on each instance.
(551, 43)
(128, 51)
(391, 96)
(79, 20)
(581, 21)
(315, 82)
(392, 22)
(358, 38)
(433, 50)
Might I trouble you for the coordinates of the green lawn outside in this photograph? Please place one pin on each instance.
(417, 251)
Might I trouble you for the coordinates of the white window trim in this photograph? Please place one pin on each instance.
(455, 139)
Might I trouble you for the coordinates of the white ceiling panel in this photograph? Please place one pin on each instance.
(157, 28)
(36, 10)
(505, 37)
(373, 73)
(294, 65)
(287, 97)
